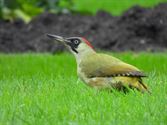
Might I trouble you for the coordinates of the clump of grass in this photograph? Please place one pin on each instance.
(43, 89)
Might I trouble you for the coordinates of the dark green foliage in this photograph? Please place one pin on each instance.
(26, 9)
(9, 8)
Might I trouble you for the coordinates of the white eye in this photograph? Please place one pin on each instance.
(76, 41)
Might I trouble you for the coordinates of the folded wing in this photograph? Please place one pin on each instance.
(102, 65)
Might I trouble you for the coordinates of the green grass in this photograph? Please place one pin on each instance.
(42, 89)
(116, 7)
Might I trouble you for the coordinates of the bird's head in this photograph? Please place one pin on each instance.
(77, 45)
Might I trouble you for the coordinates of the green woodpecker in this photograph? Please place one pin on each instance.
(101, 71)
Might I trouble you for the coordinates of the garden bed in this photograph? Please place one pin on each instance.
(138, 29)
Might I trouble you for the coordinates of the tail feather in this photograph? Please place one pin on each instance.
(133, 82)
(145, 88)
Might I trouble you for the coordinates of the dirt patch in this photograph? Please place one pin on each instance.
(137, 29)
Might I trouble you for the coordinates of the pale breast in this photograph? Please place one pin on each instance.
(82, 75)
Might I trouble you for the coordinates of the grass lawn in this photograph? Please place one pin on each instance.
(42, 89)
(116, 7)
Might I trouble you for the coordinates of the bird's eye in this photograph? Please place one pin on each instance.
(76, 41)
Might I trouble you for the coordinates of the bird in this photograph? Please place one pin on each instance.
(102, 71)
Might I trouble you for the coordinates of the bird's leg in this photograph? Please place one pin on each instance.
(107, 83)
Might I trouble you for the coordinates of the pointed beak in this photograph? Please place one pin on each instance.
(57, 38)
(65, 41)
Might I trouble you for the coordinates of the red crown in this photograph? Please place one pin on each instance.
(87, 42)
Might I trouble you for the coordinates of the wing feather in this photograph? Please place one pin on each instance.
(108, 66)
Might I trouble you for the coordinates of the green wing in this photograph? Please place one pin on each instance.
(102, 65)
